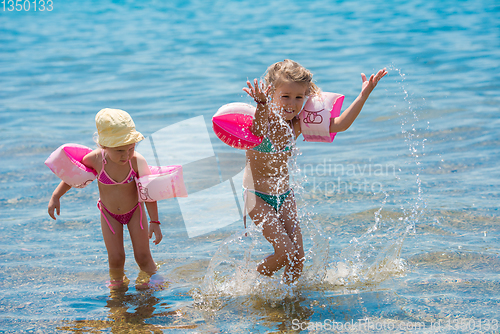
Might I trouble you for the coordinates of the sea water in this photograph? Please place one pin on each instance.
(400, 213)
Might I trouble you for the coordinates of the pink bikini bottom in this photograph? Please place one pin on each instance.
(121, 218)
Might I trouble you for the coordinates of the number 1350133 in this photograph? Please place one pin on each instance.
(27, 5)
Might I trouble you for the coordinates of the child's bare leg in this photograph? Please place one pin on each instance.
(288, 215)
(275, 232)
(140, 242)
(294, 270)
(284, 250)
(114, 246)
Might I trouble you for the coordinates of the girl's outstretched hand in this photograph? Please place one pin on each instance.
(259, 94)
(155, 228)
(369, 85)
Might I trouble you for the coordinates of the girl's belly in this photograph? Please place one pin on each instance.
(267, 172)
(119, 198)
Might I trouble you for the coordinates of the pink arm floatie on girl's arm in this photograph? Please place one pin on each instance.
(158, 182)
(316, 114)
(163, 182)
(233, 121)
(66, 163)
(232, 124)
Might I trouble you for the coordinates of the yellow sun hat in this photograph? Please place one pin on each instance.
(116, 128)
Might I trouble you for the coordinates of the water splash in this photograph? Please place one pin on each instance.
(375, 255)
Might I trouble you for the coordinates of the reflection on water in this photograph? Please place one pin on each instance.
(130, 313)
(421, 251)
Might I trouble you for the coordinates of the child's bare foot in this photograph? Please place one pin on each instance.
(117, 285)
(155, 281)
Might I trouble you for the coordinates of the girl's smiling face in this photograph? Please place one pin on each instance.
(289, 98)
(121, 154)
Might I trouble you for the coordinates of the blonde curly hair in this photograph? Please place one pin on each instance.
(290, 71)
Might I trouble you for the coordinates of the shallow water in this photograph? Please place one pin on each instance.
(405, 202)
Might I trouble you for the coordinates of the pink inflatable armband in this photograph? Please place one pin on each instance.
(232, 124)
(66, 163)
(233, 121)
(163, 182)
(316, 114)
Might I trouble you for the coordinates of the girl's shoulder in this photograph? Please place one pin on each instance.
(93, 159)
(140, 165)
(297, 130)
(137, 159)
(138, 156)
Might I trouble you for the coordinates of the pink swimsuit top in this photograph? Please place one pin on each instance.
(104, 178)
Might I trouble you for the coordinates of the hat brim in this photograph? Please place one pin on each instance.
(127, 139)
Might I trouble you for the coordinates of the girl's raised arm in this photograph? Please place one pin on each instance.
(259, 94)
(345, 120)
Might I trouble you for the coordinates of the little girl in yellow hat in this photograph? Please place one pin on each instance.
(117, 165)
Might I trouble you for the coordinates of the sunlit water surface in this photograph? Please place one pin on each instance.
(399, 214)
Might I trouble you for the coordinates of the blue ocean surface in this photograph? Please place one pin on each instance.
(400, 213)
